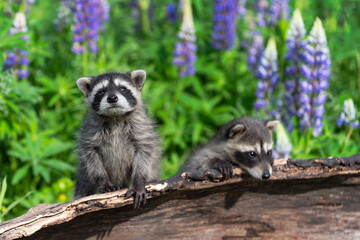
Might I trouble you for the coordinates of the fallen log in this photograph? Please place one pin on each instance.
(305, 198)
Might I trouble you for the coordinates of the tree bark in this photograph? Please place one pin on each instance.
(304, 199)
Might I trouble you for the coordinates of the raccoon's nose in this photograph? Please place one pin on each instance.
(266, 175)
(112, 98)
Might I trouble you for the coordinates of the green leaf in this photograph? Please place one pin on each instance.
(3, 190)
(44, 172)
(6, 25)
(55, 148)
(20, 174)
(196, 132)
(13, 204)
(58, 164)
(54, 100)
(19, 151)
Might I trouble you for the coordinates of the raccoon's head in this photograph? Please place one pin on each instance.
(249, 144)
(113, 94)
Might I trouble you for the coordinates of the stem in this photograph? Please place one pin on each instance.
(297, 75)
(178, 90)
(307, 140)
(145, 23)
(358, 69)
(84, 62)
(348, 135)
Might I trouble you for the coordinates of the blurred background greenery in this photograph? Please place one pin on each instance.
(40, 115)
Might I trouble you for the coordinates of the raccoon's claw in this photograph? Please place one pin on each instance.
(213, 175)
(108, 189)
(139, 197)
(224, 168)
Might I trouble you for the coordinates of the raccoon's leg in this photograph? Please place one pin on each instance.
(137, 191)
(195, 174)
(145, 169)
(201, 175)
(83, 187)
(223, 167)
(96, 173)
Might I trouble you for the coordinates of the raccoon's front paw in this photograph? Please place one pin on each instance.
(139, 196)
(108, 188)
(224, 168)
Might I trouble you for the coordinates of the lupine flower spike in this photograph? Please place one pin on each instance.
(90, 17)
(262, 7)
(295, 57)
(171, 13)
(185, 48)
(225, 12)
(267, 73)
(63, 14)
(255, 51)
(317, 74)
(278, 9)
(17, 59)
(241, 9)
(283, 145)
(348, 115)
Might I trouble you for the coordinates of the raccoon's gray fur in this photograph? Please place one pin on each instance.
(117, 144)
(244, 142)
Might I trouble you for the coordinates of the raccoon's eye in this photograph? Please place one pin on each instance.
(252, 154)
(269, 153)
(102, 92)
(122, 89)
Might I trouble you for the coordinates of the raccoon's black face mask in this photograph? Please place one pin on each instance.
(251, 147)
(113, 94)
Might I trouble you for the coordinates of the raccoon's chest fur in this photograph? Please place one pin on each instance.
(117, 151)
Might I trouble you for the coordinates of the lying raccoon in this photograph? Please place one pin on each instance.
(244, 143)
(117, 144)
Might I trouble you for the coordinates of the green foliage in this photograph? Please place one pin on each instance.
(36, 152)
(39, 116)
(4, 210)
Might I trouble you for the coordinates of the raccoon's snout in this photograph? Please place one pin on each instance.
(112, 98)
(266, 174)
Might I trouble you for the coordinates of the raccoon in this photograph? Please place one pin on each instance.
(117, 144)
(243, 142)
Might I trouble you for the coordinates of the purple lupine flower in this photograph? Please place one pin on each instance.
(185, 48)
(105, 16)
(171, 13)
(17, 59)
(278, 9)
(348, 115)
(225, 12)
(135, 10)
(63, 14)
(267, 72)
(90, 17)
(255, 51)
(295, 57)
(317, 73)
(262, 8)
(241, 9)
(283, 145)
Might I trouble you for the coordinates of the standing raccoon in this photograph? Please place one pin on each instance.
(244, 143)
(117, 144)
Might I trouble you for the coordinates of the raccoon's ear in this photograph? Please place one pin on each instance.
(238, 129)
(83, 84)
(138, 78)
(271, 125)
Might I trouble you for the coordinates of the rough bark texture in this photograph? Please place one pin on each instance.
(304, 199)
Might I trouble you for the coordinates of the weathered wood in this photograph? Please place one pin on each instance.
(312, 198)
